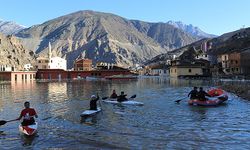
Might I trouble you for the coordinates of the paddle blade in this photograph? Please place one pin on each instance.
(133, 96)
(177, 101)
(105, 98)
(2, 122)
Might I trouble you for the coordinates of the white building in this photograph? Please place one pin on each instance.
(51, 62)
(6, 68)
(27, 67)
(57, 63)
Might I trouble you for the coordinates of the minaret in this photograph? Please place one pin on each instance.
(49, 52)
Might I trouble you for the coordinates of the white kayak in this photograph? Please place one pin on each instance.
(28, 130)
(90, 112)
(128, 102)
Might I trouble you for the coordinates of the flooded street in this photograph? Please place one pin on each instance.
(159, 124)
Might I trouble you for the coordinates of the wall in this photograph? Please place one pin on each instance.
(177, 71)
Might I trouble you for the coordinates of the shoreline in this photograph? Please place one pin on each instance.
(242, 90)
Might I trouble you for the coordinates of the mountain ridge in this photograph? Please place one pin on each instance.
(10, 27)
(103, 37)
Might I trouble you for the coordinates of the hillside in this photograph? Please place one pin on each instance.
(228, 42)
(13, 53)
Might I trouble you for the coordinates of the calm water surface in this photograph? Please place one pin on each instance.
(159, 124)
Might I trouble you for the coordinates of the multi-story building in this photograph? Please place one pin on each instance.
(83, 65)
(231, 63)
(236, 63)
(198, 68)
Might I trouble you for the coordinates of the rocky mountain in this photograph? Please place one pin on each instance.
(13, 53)
(9, 27)
(103, 37)
(194, 31)
(165, 34)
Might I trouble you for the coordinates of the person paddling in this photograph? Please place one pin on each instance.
(202, 95)
(28, 115)
(193, 94)
(122, 97)
(93, 101)
(113, 95)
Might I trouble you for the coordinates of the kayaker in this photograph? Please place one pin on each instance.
(202, 95)
(193, 94)
(28, 115)
(94, 99)
(122, 97)
(113, 95)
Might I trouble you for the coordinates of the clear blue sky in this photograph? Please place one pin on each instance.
(212, 16)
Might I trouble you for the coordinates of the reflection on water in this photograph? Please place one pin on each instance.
(27, 140)
(159, 124)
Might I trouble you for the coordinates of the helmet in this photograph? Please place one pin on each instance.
(93, 96)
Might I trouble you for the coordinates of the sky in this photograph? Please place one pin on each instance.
(212, 16)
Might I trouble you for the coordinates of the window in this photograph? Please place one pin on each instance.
(30, 76)
(26, 77)
(190, 70)
(39, 61)
(175, 70)
(15, 77)
(22, 76)
(237, 69)
(236, 62)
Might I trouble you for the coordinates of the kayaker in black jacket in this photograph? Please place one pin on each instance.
(193, 94)
(122, 97)
(94, 99)
(113, 95)
(202, 95)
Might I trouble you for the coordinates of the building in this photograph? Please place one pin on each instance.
(185, 71)
(17, 75)
(198, 68)
(245, 62)
(27, 67)
(60, 74)
(231, 63)
(51, 62)
(7, 68)
(83, 65)
(157, 70)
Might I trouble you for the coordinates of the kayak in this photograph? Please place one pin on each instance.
(28, 130)
(90, 112)
(218, 96)
(128, 102)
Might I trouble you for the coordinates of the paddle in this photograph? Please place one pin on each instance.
(105, 98)
(133, 96)
(178, 101)
(3, 122)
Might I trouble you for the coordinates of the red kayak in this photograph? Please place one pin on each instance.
(218, 97)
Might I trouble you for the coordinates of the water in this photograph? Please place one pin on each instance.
(159, 124)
